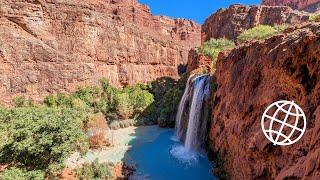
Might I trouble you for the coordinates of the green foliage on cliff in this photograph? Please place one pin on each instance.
(315, 17)
(260, 32)
(40, 138)
(213, 47)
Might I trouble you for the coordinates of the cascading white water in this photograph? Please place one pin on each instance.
(192, 139)
(196, 92)
(181, 109)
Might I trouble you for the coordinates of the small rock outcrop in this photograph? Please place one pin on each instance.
(229, 23)
(250, 78)
(307, 5)
(56, 46)
(197, 60)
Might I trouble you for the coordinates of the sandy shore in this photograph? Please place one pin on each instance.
(122, 140)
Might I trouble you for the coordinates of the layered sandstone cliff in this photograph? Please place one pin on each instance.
(308, 5)
(249, 79)
(229, 23)
(52, 46)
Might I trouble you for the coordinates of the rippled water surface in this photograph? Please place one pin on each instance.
(164, 157)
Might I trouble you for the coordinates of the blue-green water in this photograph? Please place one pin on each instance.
(165, 158)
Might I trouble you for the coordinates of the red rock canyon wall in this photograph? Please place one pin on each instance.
(295, 4)
(249, 79)
(229, 23)
(51, 46)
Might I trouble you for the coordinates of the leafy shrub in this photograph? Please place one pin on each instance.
(3, 128)
(61, 100)
(88, 94)
(64, 100)
(213, 47)
(22, 101)
(94, 170)
(139, 99)
(132, 101)
(41, 138)
(21, 174)
(50, 101)
(260, 32)
(315, 17)
(109, 93)
(123, 106)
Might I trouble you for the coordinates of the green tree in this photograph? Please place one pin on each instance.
(40, 138)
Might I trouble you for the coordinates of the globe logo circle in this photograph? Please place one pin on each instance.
(283, 123)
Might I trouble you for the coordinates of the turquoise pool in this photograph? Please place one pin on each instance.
(165, 158)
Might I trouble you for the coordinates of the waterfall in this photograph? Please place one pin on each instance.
(190, 120)
(182, 108)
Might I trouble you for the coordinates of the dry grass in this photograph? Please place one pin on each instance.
(99, 141)
(97, 128)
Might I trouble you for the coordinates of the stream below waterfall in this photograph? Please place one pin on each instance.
(165, 158)
(178, 154)
(165, 154)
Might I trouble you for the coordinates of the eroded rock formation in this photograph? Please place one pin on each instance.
(249, 79)
(52, 46)
(229, 23)
(197, 60)
(308, 5)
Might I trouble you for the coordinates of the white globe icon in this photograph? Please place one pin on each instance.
(283, 123)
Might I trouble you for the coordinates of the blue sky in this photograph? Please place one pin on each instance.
(197, 10)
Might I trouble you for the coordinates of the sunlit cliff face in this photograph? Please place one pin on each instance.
(59, 46)
(295, 4)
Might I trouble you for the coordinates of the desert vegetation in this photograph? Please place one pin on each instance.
(37, 138)
(213, 47)
(315, 17)
(94, 170)
(260, 32)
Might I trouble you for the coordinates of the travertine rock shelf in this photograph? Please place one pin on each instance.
(249, 79)
(51, 46)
